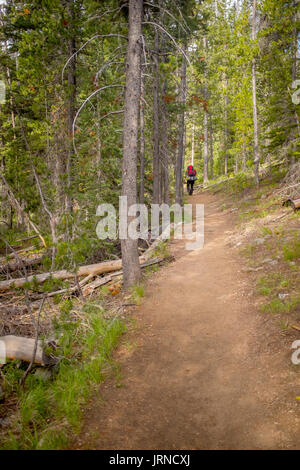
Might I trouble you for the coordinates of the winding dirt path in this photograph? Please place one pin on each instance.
(203, 369)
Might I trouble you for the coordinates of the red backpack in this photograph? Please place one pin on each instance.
(191, 171)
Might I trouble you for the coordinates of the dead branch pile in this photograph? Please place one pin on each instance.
(16, 315)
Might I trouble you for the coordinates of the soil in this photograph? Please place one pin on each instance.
(203, 369)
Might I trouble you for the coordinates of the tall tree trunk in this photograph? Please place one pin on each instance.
(5, 203)
(205, 123)
(130, 257)
(156, 191)
(193, 144)
(142, 141)
(181, 134)
(255, 123)
(211, 159)
(225, 125)
(99, 150)
(70, 102)
(225, 137)
(98, 159)
(164, 148)
(295, 119)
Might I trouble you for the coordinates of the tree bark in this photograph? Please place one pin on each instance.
(205, 123)
(142, 141)
(211, 159)
(181, 132)
(164, 147)
(193, 144)
(294, 77)
(255, 122)
(226, 128)
(70, 104)
(130, 258)
(156, 192)
(22, 349)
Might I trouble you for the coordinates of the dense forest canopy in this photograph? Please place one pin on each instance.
(217, 88)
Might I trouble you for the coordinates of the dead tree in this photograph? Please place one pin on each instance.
(130, 257)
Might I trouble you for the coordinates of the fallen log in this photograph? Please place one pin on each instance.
(294, 203)
(73, 289)
(92, 269)
(89, 289)
(17, 347)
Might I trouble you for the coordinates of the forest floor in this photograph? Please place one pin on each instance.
(203, 368)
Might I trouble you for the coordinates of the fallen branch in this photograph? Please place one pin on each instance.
(17, 347)
(88, 270)
(92, 269)
(73, 289)
(89, 289)
(294, 203)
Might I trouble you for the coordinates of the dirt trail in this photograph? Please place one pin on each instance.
(207, 371)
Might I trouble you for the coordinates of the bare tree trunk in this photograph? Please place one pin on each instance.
(19, 214)
(255, 123)
(205, 123)
(226, 131)
(99, 151)
(181, 134)
(130, 257)
(211, 159)
(142, 141)
(205, 148)
(164, 148)
(193, 144)
(156, 192)
(70, 103)
(294, 77)
(98, 130)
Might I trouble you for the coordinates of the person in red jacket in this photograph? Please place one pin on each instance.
(191, 177)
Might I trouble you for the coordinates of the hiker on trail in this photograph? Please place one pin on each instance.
(191, 177)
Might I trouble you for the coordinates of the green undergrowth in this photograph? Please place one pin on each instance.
(49, 410)
(137, 292)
